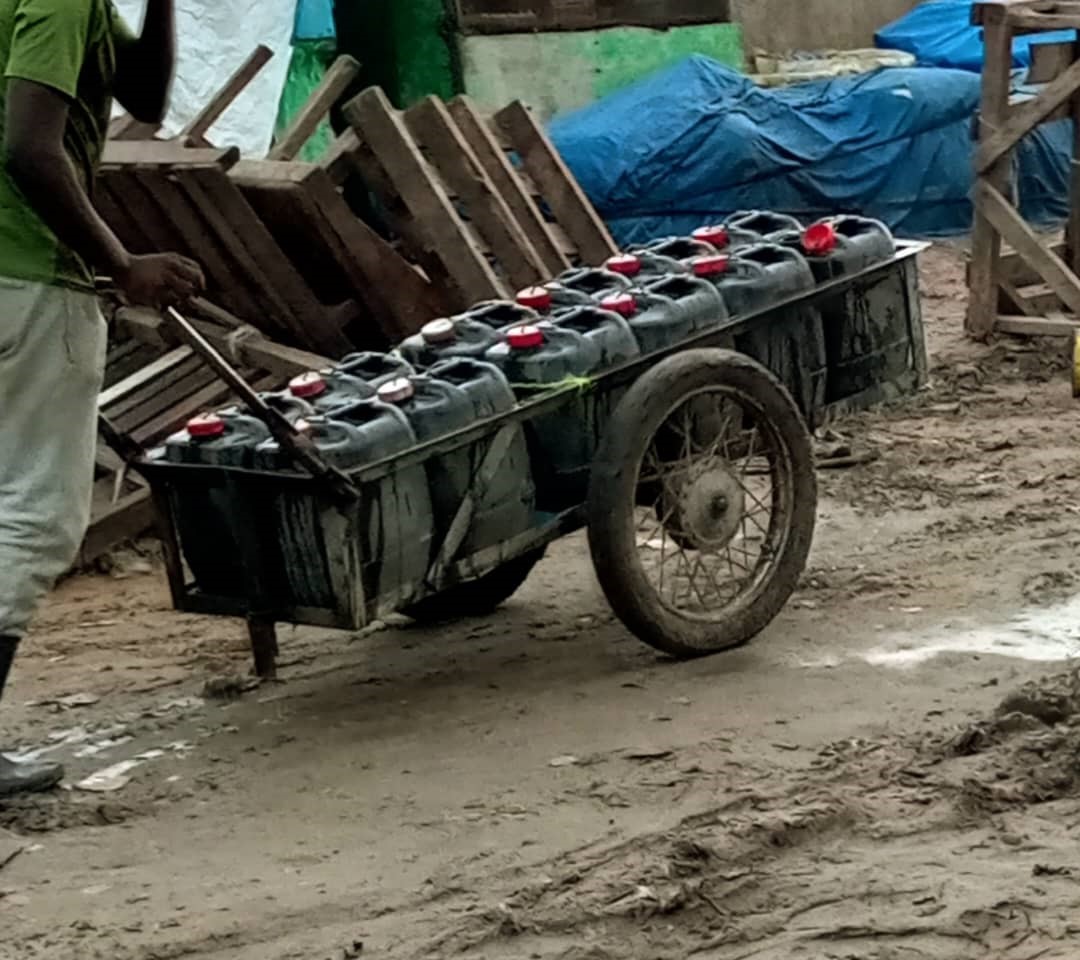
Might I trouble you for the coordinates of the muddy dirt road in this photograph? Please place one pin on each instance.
(540, 785)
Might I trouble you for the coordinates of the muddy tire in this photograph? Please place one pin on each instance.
(476, 598)
(735, 511)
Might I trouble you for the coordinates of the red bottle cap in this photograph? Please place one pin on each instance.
(624, 264)
(710, 266)
(820, 238)
(438, 331)
(624, 304)
(536, 298)
(206, 426)
(310, 384)
(397, 391)
(716, 234)
(525, 337)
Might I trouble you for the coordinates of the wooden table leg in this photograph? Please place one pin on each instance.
(264, 647)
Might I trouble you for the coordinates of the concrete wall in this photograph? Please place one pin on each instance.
(555, 72)
(782, 25)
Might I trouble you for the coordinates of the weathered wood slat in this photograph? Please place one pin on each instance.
(1023, 119)
(508, 183)
(299, 201)
(1010, 226)
(334, 84)
(450, 153)
(249, 349)
(383, 130)
(166, 152)
(195, 131)
(560, 190)
(986, 243)
(1037, 326)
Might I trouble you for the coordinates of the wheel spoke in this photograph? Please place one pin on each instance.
(712, 478)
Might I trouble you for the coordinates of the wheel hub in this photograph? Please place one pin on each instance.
(711, 505)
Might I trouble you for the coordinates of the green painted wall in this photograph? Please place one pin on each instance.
(554, 72)
(404, 46)
(427, 61)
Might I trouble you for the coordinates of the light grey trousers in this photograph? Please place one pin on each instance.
(52, 361)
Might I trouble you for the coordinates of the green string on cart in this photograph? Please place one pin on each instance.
(582, 385)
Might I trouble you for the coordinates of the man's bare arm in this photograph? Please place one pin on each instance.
(35, 158)
(144, 69)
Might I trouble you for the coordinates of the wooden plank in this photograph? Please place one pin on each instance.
(196, 131)
(1011, 226)
(126, 127)
(143, 376)
(145, 394)
(121, 207)
(169, 152)
(1011, 266)
(371, 263)
(221, 204)
(337, 161)
(560, 190)
(350, 155)
(528, 16)
(333, 86)
(300, 205)
(1039, 18)
(213, 395)
(174, 207)
(245, 346)
(384, 131)
(1017, 302)
(986, 244)
(1049, 61)
(449, 152)
(508, 184)
(1072, 227)
(1037, 326)
(163, 402)
(1023, 119)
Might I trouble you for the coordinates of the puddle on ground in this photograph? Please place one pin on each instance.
(1045, 634)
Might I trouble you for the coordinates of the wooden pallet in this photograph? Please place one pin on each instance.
(280, 245)
(480, 226)
(1035, 289)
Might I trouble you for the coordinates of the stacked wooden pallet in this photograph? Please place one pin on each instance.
(484, 207)
(469, 208)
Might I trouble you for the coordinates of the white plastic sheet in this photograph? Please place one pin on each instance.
(213, 38)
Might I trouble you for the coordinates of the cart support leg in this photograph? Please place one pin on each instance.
(264, 647)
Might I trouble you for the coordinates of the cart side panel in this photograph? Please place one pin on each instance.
(875, 342)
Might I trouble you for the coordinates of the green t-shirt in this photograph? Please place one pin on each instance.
(71, 46)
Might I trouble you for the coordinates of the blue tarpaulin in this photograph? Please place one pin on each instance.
(314, 21)
(940, 34)
(699, 141)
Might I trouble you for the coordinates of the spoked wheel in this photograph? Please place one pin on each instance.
(702, 503)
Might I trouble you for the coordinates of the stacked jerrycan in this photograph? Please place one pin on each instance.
(789, 342)
(543, 356)
(860, 344)
(461, 336)
(204, 513)
(759, 225)
(669, 309)
(453, 395)
(385, 536)
(327, 390)
(375, 368)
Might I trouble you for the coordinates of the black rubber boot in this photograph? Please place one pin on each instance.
(30, 776)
